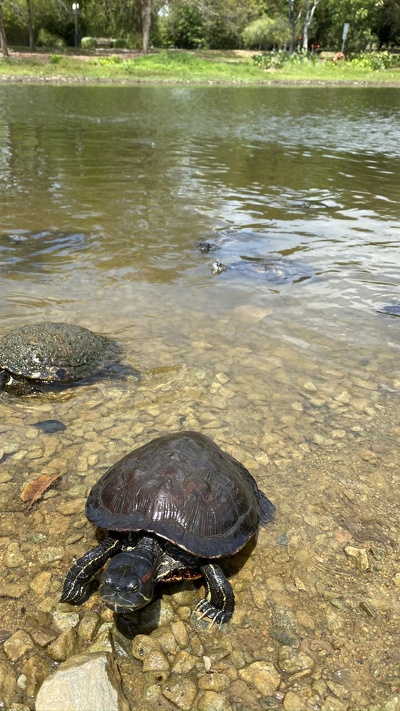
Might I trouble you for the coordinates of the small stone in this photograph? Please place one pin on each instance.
(182, 692)
(49, 555)
(35, 670)
(292, 661)
(180, 633)
(8, 684)
(262, 675)
(360, 555)
(331, 703)
(43, 636)
(142, 645)
(155, 661)
(13, 557)
(88, 626)
(310, 387)
(183, 662)
(211, 701)
(294, 702)
(86, 681)
(103, 641)
(40, 583)
(64, 646)
(214, 681)
(17, 645)
(396, 580)
(65, 620)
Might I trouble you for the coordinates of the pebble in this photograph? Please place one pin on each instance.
(212, 701)
(64, 646)
(13, 557)
(19, 644)
(262, 675)
(292, 660)
(182, 692)
(8, 684)
(84, 682)
(360, 555)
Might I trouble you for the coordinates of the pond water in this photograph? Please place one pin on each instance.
(105, 194)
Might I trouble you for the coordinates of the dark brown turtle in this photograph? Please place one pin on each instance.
(51, 353)
(171, 510)
(278, 270)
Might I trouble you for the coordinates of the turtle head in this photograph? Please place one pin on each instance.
(127, 582)
(217, 267)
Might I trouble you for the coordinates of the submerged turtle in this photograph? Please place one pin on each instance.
(50, 353)
(171, 509)
(271, 269)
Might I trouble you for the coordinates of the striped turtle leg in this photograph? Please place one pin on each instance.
(76, 584)
(219, 601)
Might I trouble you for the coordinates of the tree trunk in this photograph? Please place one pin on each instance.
(309, 14)
(146, 24)
(30, 25)
(3, 40)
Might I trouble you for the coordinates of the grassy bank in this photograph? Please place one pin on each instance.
(234, 67)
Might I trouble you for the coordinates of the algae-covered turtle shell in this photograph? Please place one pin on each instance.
(52, 353)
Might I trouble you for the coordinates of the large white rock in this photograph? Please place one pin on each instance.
(85, 682)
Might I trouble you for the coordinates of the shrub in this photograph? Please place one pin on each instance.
(88, 43)
(373, 60)
(48, 39)
(119, 43)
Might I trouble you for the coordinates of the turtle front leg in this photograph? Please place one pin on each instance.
(219, 601)
(76, 584)
(3, 379)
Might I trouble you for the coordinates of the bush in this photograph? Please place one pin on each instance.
(48, 39)
(373, 60)
(279, 58)
(88, 43)
(119, 43)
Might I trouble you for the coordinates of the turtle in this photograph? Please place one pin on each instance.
(170, 509)
(45, 353)
(277, 270)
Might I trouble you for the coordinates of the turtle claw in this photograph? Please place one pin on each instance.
(216, 616)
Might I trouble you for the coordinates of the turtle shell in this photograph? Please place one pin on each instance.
(57, 352)
(181, 487)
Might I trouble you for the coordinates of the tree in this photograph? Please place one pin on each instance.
(267, 32)
(3, 40)
(30, 25)
(146, 24)
(309, 10)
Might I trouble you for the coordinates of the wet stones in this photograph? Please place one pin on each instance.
(262, 675)
(86, 681)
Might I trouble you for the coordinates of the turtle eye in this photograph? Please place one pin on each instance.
(133, 586)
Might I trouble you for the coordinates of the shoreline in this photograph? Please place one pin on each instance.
(58, 79)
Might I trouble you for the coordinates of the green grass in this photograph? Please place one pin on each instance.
(184, 67)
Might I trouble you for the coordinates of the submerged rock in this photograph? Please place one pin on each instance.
(86, 682)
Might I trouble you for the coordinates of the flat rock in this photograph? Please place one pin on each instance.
(86, 682)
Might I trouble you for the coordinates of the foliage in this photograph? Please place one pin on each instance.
(119, 43)
(88, 42)
(213, 23)
(267, 32)
(48, 39)
(280, 58)
(194, 67)
(185, 27)
(375, 60)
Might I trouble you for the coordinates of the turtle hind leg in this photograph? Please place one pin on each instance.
(77, 584)
(267, 509)
(219, 601)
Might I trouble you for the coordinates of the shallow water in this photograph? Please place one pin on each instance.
(105, 194)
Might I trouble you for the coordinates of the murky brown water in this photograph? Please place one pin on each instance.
(104, 195)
